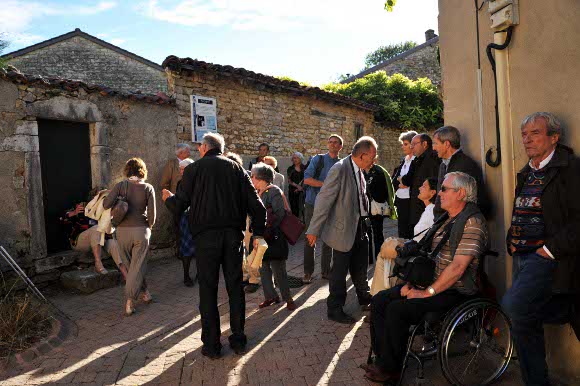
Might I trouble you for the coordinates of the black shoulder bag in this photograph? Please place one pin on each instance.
(415, 264)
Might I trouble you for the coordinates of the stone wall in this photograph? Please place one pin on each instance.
(420, 64)
(251, 112)
(120, 128)
(82, 59)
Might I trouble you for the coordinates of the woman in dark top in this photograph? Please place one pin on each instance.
(274, 261)
(134, 231)
(295, 178)
(402, 192)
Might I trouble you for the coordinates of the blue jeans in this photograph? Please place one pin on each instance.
(530, 303)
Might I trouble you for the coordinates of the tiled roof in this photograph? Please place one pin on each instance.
(13, 75)
(187, 64)
(78, 32)
(379, 66)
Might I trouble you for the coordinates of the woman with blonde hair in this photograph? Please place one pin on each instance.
(134, 230)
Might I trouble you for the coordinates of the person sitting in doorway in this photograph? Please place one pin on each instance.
(84, 237)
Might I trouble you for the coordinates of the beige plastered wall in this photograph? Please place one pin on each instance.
(543, 61)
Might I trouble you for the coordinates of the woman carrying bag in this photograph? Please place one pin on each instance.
(134, 229)
(274, 261)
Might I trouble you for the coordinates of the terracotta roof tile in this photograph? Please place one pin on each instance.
(11, 74)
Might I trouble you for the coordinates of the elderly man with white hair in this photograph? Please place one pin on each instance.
(219, 195)
(171, 175)
(458, 239)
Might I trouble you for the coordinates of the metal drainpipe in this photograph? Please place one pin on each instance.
(506, 138)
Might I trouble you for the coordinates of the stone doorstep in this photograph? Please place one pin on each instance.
(62, 329)
(88, 281)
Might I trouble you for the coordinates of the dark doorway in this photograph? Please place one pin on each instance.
(65, 159)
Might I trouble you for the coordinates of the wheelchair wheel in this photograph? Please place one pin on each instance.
(476, 343)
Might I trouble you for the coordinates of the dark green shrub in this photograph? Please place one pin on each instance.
(402, 102)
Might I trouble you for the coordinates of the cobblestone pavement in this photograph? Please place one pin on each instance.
(161, 343)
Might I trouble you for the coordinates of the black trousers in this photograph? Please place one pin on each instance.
(354, 261)
(223, 247)
(404, 218)
(392, 315)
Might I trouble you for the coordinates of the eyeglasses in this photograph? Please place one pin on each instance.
(446, 188)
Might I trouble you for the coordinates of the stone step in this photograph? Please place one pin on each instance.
(88, 281)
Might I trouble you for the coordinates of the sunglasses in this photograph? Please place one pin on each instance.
(446, 188)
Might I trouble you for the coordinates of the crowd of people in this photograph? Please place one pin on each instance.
(224, 213)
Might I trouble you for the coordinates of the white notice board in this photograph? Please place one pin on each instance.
(203, 117)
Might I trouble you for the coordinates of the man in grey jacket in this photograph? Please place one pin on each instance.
(340, 219)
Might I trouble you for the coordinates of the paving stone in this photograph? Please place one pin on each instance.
(161, 345)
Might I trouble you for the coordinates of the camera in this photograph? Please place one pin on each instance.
(410, 248)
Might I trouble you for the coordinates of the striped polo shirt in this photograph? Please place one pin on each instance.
(472, 243)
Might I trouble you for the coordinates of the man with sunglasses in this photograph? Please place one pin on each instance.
(457, 241)
(341, 220)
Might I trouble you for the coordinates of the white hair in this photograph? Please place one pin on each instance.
(214, 141)
(185, 162)
(299, 155)
(181, 147)
(464, 181)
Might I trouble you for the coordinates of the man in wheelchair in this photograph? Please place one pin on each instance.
(457, 241)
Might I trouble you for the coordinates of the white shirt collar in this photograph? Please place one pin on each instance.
(355, 166)
(544, 162)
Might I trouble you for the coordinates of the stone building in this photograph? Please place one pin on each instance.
(254, 108)
(60, 138)
(418, 62)
(78, 55)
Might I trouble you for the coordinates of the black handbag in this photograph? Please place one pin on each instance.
(414, 264)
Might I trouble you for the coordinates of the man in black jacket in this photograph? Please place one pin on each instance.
(544, 240)
(220, 195)
(425, 165)
(447, 144)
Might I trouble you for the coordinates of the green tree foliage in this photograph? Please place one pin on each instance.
(3, 45)
(283, 77)
(387, 52)
(402, 101)
(389, 4)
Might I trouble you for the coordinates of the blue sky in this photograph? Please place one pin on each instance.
(308, 40)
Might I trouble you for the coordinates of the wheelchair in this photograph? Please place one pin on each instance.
(472, 343)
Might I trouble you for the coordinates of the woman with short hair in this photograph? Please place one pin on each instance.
(274, 261)
(402, 192)
(134, 231)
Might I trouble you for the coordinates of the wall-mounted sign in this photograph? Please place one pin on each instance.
(203, 117)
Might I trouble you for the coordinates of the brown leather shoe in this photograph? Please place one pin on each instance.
(269, 302)
(307, 279)
(290, 305)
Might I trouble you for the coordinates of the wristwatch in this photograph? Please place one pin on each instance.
(431, 291)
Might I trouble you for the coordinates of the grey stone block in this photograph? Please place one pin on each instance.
(88, 281)
(55, 261)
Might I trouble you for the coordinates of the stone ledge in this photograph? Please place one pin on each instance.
(88, 281)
